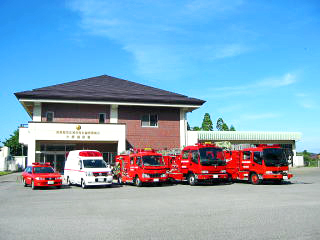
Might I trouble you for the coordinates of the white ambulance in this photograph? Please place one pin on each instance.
(87, 168)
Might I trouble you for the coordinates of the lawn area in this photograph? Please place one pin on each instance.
(4, 173)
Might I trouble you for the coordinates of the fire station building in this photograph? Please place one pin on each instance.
(103, 113)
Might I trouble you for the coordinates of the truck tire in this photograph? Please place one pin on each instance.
(254, 179)
(192, 179)
(137, 182)
(83, 184)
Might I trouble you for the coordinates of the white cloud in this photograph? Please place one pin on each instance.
(160, 34)
(230, 51)
(256, 87)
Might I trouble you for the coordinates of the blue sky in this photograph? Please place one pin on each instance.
(256, 63)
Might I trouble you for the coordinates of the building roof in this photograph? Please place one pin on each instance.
(247, 136)
(107, 88)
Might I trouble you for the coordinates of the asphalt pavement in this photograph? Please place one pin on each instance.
(178, 211)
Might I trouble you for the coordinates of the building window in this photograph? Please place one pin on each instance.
(102, 117)
(50, 116)
(149, 120)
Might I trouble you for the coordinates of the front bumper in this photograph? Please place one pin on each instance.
(154, 180)
(211, 176)
(98, 181)
(277, 176)
(47, 183)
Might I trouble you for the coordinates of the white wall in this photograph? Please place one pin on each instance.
(71, 132)
(298, 161)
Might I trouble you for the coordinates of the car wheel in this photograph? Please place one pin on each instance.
(137, 182)
(254, 179)
(24, 182)
(33, 187)
(83, 184)
(192, 179)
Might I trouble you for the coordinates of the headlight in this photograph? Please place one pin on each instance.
(89, 174)
(204, 171)
(285, 171)
(163, 175)
(269, 172)
(144, 175)
(223, 171)
(40, 178)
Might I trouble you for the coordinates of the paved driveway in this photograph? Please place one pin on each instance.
(232, 211)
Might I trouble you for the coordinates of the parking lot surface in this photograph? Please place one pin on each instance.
(178, 211)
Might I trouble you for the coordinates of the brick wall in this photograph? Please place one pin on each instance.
(166, 135)
(80, 113)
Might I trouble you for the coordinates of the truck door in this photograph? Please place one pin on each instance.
(131, 169)
(245, 161)
(194, 157)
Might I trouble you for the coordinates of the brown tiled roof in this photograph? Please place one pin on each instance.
(107, 88)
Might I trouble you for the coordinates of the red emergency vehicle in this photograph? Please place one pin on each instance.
(41, 175)
(141, 166)
(202, 162)
(263, 162)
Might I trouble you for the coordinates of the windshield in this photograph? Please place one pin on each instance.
(212, 157)
(152, 160)
(94, 163)
(43, 170)
(275, 157)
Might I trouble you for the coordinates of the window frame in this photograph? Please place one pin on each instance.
(149, 120)
(52, 116)
(104, 118)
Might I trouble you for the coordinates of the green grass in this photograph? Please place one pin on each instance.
(4, 173)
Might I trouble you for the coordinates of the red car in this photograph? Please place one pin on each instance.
(41, 175)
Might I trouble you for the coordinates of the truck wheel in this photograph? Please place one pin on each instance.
(33, 187)
(83, 184)
(24, 182)
(229, 178)
(254, 179)
(120, 180)
(192, 179)
(137, 182)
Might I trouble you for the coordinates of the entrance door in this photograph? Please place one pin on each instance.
(56, 161)
(59, 163)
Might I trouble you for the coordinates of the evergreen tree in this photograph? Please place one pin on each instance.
(196, 129)
(188, 126)
(220, 123)
(207, 123)
(13, 144)
(232, 128)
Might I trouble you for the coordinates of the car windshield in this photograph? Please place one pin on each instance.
(43, 170)
(152, 160)
(212, 157)
(275, 157)
(94, 163)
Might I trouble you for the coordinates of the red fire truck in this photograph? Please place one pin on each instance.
(264, 162)
(202, 162)
(141, 166)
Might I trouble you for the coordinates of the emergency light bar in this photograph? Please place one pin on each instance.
(90, 154)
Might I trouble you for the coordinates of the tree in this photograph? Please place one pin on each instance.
(188, 127)
(13, 144)
(196, 129)
(225, 127)
(220, 123)
(232, 128)
(207, 123)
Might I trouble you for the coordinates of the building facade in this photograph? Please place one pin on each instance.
(104, 113)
